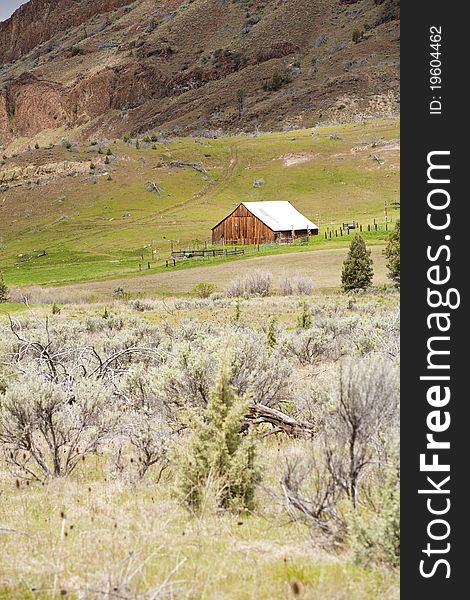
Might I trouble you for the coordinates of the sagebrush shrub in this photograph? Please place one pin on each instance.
(375, 530)
(254, 283)
(46, 429)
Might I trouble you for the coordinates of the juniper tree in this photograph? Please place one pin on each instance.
(392, 254)
(271, 336)
(304, 320)
(220, 451)
(357, 267)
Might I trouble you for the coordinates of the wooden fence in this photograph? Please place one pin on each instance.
(184, 254)
(178, 254)
(346, 228)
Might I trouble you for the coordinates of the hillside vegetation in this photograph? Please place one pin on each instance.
(89, 209)
(108, 67)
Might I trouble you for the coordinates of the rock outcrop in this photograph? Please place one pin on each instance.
(113, 67)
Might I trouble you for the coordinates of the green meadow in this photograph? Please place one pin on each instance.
(103, 224)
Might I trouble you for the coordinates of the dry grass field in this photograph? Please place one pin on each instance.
(322, 266)
(104, 532)
(124, 540)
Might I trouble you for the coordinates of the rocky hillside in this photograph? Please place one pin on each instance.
(83, 69)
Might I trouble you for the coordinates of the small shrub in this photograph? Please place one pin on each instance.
(55, 309)
(119, 293)
(271, 335)
(304, 320)
(150, 438)
(303, 286)
(255, 283)
(285, 287)
(375, 531)
(276, 82)
(258, 283)
(236, 288)
(357, 36)
(221, 452)
(140, 305)
(203, 290)
(75, 51)
(238, 311)
(45, 430)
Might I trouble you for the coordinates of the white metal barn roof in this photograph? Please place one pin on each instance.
(279, 215)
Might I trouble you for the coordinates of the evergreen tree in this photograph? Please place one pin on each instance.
(392, 254)
(272, 333)
(357, 267)
(304, 320)
(3, 290)
(220, 451)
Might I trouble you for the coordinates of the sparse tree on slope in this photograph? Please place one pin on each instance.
(357, 267)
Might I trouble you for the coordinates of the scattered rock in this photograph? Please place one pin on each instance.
(152, 186)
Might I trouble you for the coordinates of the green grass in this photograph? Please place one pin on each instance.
(58, 268)
(100, 230)
(11, 308)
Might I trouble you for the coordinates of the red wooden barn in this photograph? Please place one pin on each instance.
(261, 222)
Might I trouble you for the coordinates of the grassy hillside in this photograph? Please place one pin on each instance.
(96, 220)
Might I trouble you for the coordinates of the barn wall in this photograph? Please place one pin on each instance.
(241, 227)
